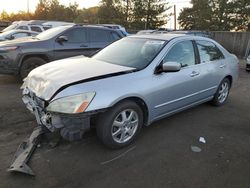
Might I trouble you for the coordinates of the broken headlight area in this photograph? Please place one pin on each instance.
(66, 115)
(72, 104)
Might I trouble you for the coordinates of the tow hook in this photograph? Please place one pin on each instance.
(24, 153)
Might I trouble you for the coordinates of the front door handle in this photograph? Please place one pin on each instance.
(194, 73)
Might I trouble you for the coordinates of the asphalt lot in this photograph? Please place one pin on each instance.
(160, 157)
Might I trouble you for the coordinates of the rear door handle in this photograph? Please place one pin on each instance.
(84, 45)
(194, 73)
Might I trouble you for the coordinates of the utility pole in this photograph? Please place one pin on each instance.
(174, 17)
(28, 6)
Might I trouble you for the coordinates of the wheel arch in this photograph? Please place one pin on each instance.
(230, 78)
(39, 55)
(140, 102)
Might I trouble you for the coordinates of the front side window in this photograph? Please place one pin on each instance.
(208, 51)
(131, 52)
(76, 35)
(182, 52)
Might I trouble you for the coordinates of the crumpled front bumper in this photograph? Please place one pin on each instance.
(71, 126)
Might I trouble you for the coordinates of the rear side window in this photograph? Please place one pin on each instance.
(23, 27)
(99, 35)
(36, 29)
(76, 35)
(208, 51)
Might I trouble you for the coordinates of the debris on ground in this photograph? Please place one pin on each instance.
(202, 139)
(196, 149)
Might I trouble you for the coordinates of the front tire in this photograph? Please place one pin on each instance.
(222, 93)
(30, 64)
(120, 125)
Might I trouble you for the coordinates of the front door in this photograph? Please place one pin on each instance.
(76, 44)
(175, 90)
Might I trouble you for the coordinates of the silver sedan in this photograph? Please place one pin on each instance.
(131, 83)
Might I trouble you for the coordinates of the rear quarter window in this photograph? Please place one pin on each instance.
(114, 36)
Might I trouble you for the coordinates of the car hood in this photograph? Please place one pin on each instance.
(47, 79)
(19, 41)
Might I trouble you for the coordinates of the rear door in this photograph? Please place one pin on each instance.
(212, 66)
(77, 44)
(100, 38)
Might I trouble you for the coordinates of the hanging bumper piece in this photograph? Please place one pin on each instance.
(24, 153)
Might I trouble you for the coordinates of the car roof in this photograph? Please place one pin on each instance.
(95, 27)
(165, 37)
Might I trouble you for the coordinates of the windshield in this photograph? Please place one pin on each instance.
(11, 27)
(50, 33)
(131, 52)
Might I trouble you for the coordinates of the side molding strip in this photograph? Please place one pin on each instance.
(187, 96)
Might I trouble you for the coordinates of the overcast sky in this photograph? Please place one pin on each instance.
(21, 5)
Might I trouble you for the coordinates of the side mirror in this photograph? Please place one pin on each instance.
(62, 39)
(169, 67)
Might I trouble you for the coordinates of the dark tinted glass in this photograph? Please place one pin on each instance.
(208, 51)
(76, 35)
(99, 35)
(23, 27)
(114, 36)
(37, 29)
(182, 52)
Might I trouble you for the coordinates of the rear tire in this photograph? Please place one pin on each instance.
(222, 93)
(30, 64)
(120, 125)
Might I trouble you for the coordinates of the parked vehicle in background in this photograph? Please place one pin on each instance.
(132, 82)
(52, 24)
(115, 26)
(248, 63)
(145, 32)
(195, 33)
(35, 25)
(15, 34)
(20, 56)
(25, 25)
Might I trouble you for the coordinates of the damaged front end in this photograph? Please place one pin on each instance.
(71, 127)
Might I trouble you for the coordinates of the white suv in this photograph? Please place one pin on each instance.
(25, 25)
